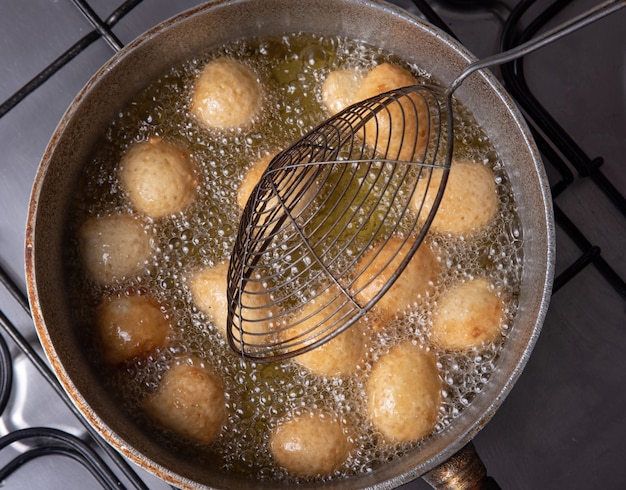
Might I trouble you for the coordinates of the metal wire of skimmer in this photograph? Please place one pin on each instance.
(346, 188)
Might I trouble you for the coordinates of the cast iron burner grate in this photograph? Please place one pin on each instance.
(551, 138)
(542, 123)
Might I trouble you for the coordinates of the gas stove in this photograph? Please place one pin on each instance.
(563, 424)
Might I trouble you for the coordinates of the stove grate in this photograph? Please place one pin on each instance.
(46, 441)
(544, 123)
(103, 30)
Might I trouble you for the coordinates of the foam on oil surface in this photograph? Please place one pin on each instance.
(292, 69)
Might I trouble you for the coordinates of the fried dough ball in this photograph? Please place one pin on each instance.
(295, 189)
(114, 246)
(209, 290)
(130, 326)
(251, 179)
(311, 444)
(189, 401)
(416, 281)
(402, 132)
(340, 355)
(470, 200)
(404, 393)
(339, 89)
(468, 315)
(158, 178)
(227, 95)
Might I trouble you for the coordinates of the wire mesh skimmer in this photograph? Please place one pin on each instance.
(336, 218)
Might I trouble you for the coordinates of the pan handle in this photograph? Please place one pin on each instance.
(463, 471)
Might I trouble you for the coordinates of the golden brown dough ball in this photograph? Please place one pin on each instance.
(340, 355)
(402, 132)
(189, 401)
(312, 444)
(226, 95)
(130, 326)
(339, 89)
(416, 281)
(470, 200)
(294, 188)
(467, 315)
(114, 246)
(404, 393)
(158, 178)
(251, 179)
(209, 290)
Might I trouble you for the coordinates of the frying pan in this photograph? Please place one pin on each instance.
(196, 31)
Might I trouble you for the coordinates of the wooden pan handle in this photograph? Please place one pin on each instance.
(463, 471)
